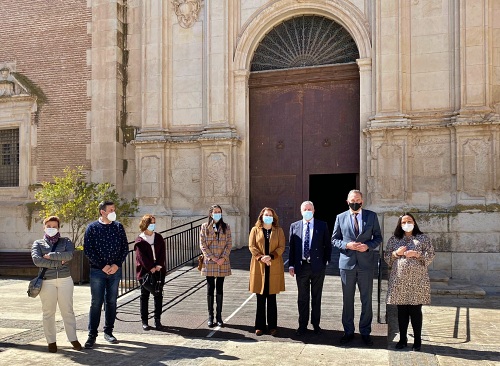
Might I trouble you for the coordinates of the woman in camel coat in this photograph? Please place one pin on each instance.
(267, 244)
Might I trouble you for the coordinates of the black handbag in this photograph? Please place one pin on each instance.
(152, 282)
(35, 284)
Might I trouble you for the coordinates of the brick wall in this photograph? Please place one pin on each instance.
(48, 40)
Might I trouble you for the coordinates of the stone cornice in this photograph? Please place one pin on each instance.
(209, 134)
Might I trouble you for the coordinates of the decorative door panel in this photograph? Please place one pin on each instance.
(302, 122)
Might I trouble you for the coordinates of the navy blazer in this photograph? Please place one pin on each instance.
(320, 250)
(370, 235)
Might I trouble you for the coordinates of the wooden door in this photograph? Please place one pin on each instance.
(302, 122)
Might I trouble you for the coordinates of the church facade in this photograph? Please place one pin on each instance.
(186, 103)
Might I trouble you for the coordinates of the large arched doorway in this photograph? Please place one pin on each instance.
(304, 119)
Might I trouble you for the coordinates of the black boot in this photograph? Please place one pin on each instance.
(158, 324)
(158, 310)
(218, 317)
(210, 303)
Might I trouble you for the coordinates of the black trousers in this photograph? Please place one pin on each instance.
(407, 313)
(144, 302)
(272, 309)
(310, 289)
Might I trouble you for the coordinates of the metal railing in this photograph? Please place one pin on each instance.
(182, 246)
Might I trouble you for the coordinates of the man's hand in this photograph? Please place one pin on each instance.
(357, 246)
(362, 247)
(106, 268)
(291, 271)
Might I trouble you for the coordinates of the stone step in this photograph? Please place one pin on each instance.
(438, 276)
(457, 288)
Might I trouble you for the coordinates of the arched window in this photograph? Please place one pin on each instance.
(307, 40)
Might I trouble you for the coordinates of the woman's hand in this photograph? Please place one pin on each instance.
(412, 254)
(220, 261)
(266, 259)
(401, 251)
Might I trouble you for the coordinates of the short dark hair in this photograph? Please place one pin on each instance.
(104, 204)
(52, 218)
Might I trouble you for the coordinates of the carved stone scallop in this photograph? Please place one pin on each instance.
(187, 11)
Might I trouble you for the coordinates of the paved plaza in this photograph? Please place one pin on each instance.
(456, 331)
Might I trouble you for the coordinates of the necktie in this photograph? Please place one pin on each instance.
(356, 225)
(306, 242)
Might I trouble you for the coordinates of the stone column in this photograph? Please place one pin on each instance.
(365, 112)
(106, 147)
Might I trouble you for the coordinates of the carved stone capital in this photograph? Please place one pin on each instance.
(187, 11)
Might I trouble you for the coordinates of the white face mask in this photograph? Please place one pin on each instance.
(112, 216)
(407, 227)
(51, 231)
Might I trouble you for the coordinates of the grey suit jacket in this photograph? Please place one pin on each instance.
(370, 235)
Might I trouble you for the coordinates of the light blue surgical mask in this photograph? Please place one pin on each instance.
(151, 227)
(267, 220)
(307, 215)
(217, 216)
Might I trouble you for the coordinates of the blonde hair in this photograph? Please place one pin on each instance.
(145, 221)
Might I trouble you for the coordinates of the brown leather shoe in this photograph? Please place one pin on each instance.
(273, 332)
(76, 345)
(259, 332)
(53, 347)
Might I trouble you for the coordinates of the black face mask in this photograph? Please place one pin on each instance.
(355, 206)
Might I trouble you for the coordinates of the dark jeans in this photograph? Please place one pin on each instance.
(103, 290)
(215, 283)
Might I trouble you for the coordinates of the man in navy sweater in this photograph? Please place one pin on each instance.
(105, 244)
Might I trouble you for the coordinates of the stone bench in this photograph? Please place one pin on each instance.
(17, 263)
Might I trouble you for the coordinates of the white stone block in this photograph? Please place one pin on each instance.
(469, 261)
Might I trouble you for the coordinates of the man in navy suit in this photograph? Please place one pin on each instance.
(310, 251)
(356, 234)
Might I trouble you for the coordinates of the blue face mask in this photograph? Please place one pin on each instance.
(217, 216)
(267, 220)
(151, 227)
(307, 215)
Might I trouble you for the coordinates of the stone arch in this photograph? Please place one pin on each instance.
(267, 17)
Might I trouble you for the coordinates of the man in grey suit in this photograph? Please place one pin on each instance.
(310, 251)
(356, 234)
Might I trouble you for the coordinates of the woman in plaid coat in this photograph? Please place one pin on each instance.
(215, 244)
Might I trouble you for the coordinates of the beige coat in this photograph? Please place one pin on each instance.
(256, 244)
(214, 246)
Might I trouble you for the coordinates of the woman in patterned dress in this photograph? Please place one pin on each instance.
(409, 252)
(215, 244)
